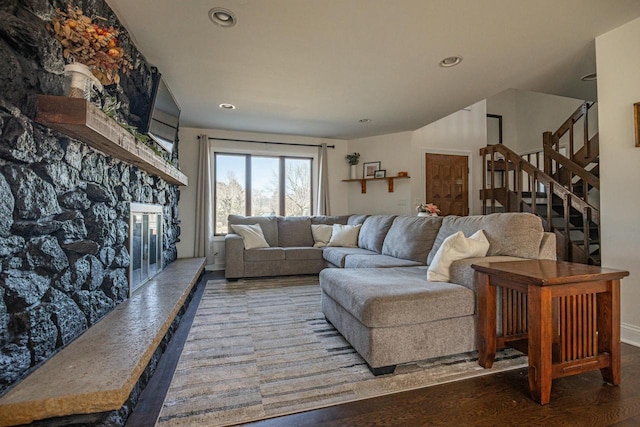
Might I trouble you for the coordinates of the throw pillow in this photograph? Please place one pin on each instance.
(251, 235)
(345, 235)
(456, 247)
(321, 234)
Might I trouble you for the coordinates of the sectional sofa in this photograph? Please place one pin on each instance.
(376, 292)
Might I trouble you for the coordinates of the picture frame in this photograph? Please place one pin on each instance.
(380, 173)
(636, 121)
(369, 169)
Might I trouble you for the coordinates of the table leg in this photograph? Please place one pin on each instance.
(486, 321)
(540, 335)
(608, 304)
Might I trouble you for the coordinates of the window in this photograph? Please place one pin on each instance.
(256, 185)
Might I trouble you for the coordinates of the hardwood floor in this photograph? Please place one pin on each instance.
(500, 399)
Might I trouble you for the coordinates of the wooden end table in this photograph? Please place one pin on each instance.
(565, 316)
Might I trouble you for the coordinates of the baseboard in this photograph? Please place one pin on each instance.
(630, 334)
(214, 267)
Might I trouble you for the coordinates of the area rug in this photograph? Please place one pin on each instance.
(261, 348)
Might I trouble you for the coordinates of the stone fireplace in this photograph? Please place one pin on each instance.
(65, 250)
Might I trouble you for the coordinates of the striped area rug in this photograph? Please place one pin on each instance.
(261, 348)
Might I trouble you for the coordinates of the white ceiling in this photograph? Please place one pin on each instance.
(315, 67)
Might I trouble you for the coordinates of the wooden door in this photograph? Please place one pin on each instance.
(447, 183)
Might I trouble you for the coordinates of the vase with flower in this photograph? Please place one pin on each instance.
(353, 159)
(92, 52)
(427, 209)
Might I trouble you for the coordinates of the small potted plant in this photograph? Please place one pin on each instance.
(353, 159)
(427, 209)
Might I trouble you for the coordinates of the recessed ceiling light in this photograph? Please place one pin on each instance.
(451, 61)
(589, 77)
(226, 106)
(222, 17)
(365, 120)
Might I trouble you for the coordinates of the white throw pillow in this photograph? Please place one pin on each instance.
(345, 235)
(456, 247)
(252, 235)
(321, 234)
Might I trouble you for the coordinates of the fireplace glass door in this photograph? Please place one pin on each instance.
(145, 243)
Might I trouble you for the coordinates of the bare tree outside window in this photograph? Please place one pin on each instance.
(297, 199)
(261, 190)
(230, 190)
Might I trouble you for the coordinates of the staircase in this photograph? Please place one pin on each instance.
(564, 195)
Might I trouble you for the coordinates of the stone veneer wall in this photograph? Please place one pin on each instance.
(64, 212)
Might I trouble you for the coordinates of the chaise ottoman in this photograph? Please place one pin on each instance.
(395, 315)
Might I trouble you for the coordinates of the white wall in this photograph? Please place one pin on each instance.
(618, 89)
(189, 162)
(527, 115)
(394, 153)
(461, 133)
(504, 104)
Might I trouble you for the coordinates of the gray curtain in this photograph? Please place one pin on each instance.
(322, 207)
(203, 244)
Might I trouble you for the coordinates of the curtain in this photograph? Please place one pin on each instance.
(322, 207)
(203, 243)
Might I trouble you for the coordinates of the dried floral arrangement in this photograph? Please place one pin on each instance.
(91, 44)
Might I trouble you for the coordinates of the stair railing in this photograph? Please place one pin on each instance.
(565, 168)
(517, 176)
(582, 112)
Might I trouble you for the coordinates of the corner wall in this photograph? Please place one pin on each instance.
(461, 133)
(527, 115)
(618, 90)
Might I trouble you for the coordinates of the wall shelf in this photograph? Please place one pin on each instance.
(84, 121)
(363, 182)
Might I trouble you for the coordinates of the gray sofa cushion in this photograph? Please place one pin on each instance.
(393, 297)
(294, 231)
(336, 255)
(512, 234)
(411, 237)
(356, 219)
(264, 254)
(373, 231)
(378, 261)
(330, 219)
(269, 225)
(293, 253)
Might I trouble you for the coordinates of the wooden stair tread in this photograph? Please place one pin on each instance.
(97, 371)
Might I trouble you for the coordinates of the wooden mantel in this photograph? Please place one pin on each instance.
(84, 121)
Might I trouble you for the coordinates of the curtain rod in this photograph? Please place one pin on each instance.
(269, 142)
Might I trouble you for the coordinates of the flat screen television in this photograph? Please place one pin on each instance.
(164, 116)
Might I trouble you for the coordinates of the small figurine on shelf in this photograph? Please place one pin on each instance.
(427, 209)
(353, 159)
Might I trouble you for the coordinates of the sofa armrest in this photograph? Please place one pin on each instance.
(234, 256)
(548, 246)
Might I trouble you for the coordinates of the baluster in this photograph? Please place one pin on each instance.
(571, 142)
(518, 183)
(586, 221)
(586, 130)
(533, 179)
(484, 182)
(547, 143)
(567, 223)
(549, 202)
(493, 181)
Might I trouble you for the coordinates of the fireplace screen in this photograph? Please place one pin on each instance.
(145, 244)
